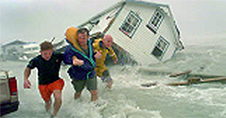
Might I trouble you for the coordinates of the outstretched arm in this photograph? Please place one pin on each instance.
(27, 83)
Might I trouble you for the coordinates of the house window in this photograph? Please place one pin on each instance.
(155, 21)
(160, 48)
(130, 24)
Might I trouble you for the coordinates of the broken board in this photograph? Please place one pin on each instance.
(189, 82)
(149, 84)
(179, 74)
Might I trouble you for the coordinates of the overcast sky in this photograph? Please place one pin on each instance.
(35, 20)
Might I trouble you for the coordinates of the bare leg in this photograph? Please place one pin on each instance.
(58, 101)
(94, 96)
(48, 105)
(77, 95)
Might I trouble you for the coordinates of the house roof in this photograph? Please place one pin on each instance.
(146, 3)
(102, 13)
(141, 2)
(121, 4)
(16, 42)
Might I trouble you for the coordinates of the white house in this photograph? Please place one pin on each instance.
(19, 50)
(145, 31)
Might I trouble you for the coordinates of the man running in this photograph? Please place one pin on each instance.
(103, 46)
(48, 65)
(80, 55)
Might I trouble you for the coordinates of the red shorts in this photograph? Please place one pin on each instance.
(47, 90)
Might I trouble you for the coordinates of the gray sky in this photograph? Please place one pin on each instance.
(35, 20)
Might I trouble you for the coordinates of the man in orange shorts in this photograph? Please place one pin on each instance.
(48, 65)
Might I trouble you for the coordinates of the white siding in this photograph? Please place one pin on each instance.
(167, 31)
(143, 41)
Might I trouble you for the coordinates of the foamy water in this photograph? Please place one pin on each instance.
(128, 99)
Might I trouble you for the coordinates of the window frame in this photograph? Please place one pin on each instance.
(135, 27)
(155, 22)
(158, 47)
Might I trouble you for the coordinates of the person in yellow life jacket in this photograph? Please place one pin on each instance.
(103, 47)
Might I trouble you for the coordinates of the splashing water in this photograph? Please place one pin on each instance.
(127, 99)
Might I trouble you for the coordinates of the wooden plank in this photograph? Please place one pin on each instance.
(149, 84)
(178, 84)
(205, 75)
(196, 80)
(220, 79)
(169, 72)
(181, 73)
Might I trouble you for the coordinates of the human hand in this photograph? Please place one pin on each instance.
(97, 55)
(27, 84)
(77, 62)
(116, 60)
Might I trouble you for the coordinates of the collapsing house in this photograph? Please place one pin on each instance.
(143, 31)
